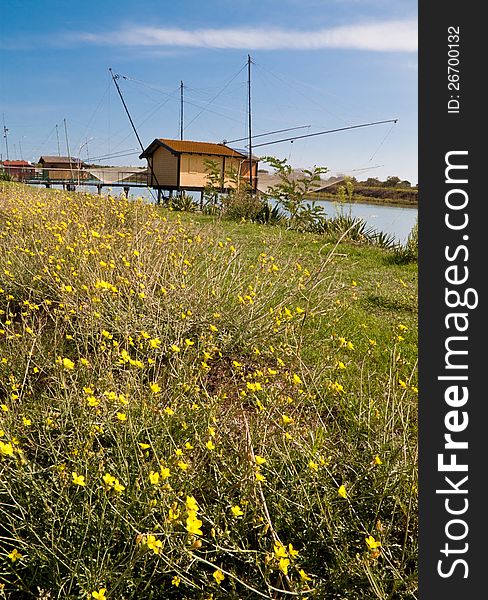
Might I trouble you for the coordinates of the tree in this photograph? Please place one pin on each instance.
(214, 182)
(292, 192)
(392, 181)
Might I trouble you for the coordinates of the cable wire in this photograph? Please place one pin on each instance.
(382, 141)
(217, 95)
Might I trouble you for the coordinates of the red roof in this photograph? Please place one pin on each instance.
(16, 163)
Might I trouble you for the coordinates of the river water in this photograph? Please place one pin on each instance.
(397, 221)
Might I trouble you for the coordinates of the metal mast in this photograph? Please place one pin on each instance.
(67, 148)
(115, 77)
(57, 137)
(5, 134)
(181, 110)
(249, 62)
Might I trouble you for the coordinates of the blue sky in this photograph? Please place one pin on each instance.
(323, 64)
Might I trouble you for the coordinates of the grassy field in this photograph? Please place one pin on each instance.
(198, 408)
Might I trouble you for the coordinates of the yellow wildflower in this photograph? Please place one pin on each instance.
(371, 543)
(153, 544)
(121, 416)
(155, 388)
(14, 555)
(78, 479)
(279, 550)
(108, 480)
(237, 511)
(118, 487)
(176, 581)
(218, 576)
(283, 564)
(68, 364)
(154, 477)
(193, 524)
(165, 473)
(210, 445)
(191, 504)
(342, 491)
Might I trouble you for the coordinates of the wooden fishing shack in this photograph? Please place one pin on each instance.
(177, 165)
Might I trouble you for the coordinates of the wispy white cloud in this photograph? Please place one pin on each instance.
(382, 36)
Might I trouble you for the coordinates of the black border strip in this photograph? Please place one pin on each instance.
(452, 229)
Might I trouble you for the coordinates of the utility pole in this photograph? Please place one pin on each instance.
(249, 62)
(57, 137)
(5, 134)
(67, 148)
(20, 147)
(181, 110)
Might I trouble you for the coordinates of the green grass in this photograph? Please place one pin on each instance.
(251, 389)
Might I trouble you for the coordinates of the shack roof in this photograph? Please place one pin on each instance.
(190, 147)
(60, 159)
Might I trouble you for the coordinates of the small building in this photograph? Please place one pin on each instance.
(180, 165)
(64, 168)
(20, 170)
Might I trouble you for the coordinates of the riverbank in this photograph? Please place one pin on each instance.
(221, 408)
(358, 199)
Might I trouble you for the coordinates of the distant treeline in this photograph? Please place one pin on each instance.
(391, 191)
